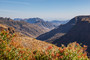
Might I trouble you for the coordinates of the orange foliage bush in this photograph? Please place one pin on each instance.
(12, 50)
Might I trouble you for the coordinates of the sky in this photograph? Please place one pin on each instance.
(45, 9)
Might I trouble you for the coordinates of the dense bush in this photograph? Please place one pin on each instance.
(12, 50)
(72, 52)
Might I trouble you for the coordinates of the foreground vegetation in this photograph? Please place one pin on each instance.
(11, 49)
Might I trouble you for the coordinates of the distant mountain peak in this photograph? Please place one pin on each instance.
(35, 20)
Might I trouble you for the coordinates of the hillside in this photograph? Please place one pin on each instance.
(26, 41)
(25, 28)
(80, 33)
(57, 32)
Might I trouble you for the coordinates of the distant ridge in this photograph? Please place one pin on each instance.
(57, 22)
(42, 23)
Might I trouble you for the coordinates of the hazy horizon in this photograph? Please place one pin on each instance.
(45, 9)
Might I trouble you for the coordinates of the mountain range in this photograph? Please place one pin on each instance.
(57, 32)
(23, 27)
(42, 23)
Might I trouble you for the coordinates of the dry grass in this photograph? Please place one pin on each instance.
(33, 44)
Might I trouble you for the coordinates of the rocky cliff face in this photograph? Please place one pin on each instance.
(80, 32)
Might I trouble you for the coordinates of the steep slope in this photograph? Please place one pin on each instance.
(79, 33)
(23, 27)
(57, 32)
